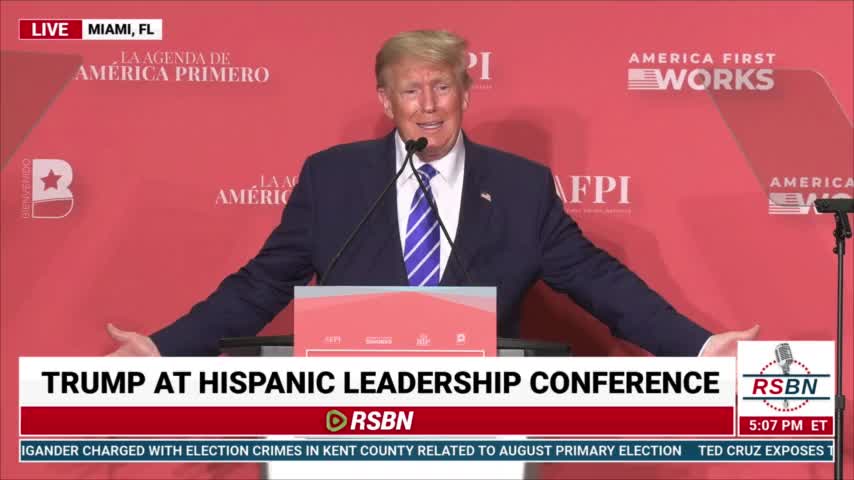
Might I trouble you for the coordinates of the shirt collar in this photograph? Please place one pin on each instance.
(448, 167)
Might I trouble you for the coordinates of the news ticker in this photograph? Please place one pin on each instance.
(421, 450)
(435, 396)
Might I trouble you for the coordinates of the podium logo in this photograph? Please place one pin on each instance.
(45, 185)
(335, 420)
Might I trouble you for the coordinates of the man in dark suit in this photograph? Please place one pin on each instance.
(507, 223)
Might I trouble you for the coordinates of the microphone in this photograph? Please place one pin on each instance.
(783, 352)
(412, 146)
(784, 356)
(422, 143)
(840, 207)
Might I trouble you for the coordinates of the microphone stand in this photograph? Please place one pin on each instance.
(840, 233)
(412, 146)
(840, 207)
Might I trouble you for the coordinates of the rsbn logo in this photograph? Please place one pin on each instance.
(374, 420)
(785, 384)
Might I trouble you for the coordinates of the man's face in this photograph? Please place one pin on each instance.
(425, 100)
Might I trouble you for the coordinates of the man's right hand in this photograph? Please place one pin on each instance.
(132, 344)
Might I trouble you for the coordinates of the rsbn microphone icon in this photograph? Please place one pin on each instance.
(784, 358)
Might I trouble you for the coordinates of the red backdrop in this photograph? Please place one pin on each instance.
(158, 166)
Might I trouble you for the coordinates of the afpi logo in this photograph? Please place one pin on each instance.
(594, 193)
(479, 65)
(785, 387)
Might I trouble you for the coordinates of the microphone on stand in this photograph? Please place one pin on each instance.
(783, 352)
(840, 208)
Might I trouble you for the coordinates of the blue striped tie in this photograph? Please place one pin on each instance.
(421, 253)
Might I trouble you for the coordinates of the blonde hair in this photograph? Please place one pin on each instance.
(434, 46)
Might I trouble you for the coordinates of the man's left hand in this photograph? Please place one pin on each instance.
(725, 344)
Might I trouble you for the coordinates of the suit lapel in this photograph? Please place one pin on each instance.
(475, 216)
(384, 225)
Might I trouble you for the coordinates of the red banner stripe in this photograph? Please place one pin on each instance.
(425, 420)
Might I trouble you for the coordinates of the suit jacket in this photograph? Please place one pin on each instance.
(520, 236)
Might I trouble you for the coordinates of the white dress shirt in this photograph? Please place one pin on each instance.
(447, 189)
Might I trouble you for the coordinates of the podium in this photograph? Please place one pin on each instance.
(283, 346)
(439, 321)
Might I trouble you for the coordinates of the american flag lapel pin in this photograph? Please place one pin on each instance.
(486, 196)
